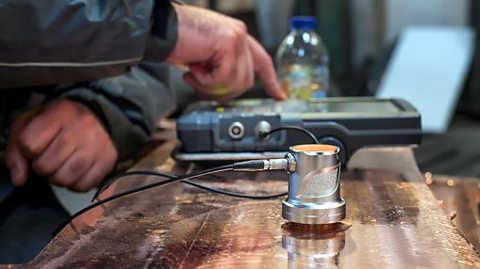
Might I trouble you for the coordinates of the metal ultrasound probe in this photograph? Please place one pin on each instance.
(314, 183)
(314, 186)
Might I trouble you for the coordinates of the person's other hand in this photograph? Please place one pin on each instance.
(63, 141)
(222, 57)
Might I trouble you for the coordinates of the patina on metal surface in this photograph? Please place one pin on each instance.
(391, 223)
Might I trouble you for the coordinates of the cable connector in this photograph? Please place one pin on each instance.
(263, 165)
(256, 165)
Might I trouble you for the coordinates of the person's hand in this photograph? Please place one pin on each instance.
(63, 141)
(222, 57)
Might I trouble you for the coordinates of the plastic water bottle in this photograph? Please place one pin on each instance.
(302, 61)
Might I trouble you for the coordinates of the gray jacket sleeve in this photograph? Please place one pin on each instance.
(107, 54)
(49, 42)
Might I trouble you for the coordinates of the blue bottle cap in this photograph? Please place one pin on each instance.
(303, 22)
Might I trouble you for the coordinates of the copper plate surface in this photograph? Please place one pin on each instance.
(391, 223)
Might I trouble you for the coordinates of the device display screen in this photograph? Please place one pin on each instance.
(361, 107)
(299, 106)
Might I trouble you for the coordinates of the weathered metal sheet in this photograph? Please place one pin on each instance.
(391, 223)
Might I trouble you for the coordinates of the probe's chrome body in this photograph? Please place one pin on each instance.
(314, 186)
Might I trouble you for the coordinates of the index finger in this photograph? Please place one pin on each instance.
(39, 133)
(264, 67)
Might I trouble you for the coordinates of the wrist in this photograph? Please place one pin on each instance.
(92, 108)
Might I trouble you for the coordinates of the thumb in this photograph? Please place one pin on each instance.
(16, 162)
(202, 74)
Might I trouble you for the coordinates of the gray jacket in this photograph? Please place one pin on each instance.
(106, 54)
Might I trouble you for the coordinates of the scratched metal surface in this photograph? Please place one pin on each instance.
(391, 223)
(460, 197)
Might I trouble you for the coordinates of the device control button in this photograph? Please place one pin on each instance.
(236, 130)
(262, 128)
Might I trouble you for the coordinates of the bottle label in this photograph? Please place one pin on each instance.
(320, 81)
(299, 80)
(305, 82)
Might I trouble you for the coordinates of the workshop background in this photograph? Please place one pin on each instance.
(382, 48)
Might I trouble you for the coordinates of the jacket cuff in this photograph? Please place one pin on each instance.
(164, 32)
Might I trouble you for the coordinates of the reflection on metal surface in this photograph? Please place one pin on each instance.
(313, 246)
